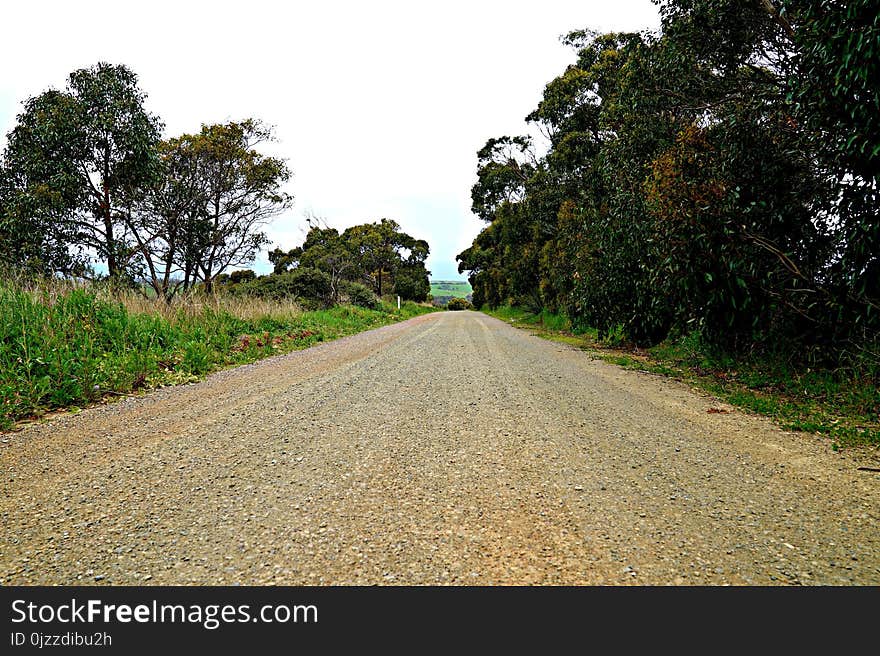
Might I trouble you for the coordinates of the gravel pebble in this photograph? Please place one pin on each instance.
(441, 450)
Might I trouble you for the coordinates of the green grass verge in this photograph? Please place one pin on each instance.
(841, 404)
(77, 347)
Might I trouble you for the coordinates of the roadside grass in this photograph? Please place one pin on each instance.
(68, 346)
(842, 404)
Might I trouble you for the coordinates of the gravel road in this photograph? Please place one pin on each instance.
(449, 449)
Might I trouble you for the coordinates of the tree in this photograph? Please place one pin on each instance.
(207, 212)
(834, 93)
(324, 249)
(411, 280)
(378, 254)
(483, 265)
(504, 166)
(381, 250)
(243, 192)
(83, 155)
(167, 221)
(31, 237)
(283, 261)
(719, 176)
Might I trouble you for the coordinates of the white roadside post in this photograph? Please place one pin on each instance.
(398, 302)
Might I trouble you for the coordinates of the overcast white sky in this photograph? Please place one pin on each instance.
(379, 107)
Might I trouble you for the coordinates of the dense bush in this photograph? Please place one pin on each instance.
(718, 176)
(412, 284)
(358, 294)
(244, 275)
(310, 287)
(458, 304)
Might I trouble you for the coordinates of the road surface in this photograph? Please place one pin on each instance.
(450, 449)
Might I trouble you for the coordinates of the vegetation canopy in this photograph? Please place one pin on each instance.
(376, 255)
(717, 177)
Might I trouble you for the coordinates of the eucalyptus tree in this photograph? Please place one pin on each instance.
(379, 255)
(167, 221)
(381, 251)
(32, 240)
(834, 94)
(83, 155)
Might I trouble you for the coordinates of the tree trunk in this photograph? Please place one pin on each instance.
(112, 265)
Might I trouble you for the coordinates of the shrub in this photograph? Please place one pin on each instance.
(237, 277)
(458, 304)
(358, 294)
(412, 284)
(309, 286)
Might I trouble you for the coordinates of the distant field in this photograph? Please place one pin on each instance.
(459, 288)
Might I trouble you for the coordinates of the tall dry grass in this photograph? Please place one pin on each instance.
(183, 307)
(194, 305)
(66, 343)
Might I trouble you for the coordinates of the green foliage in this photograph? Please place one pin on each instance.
(458, 304)
(31, 239)
(835, 95)
(308, 286)
(838, 63)
(378, 255)
(77, 346)
(360, 295)
(718, 176)
(80, 157)
(504, 167)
